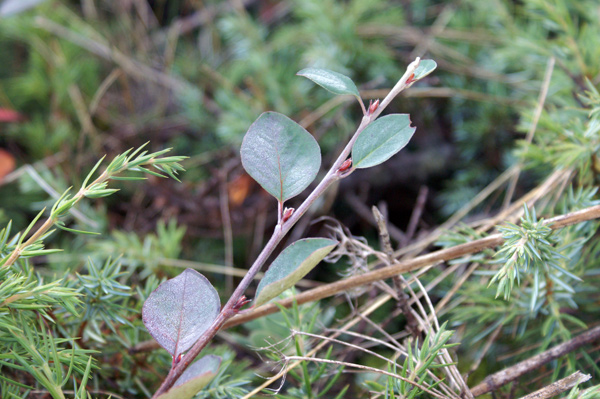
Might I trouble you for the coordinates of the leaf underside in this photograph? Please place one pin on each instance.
(332, 81)
(425, 68)
(179, 311)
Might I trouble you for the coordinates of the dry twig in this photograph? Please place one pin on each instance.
(559, 386)
(496, 380)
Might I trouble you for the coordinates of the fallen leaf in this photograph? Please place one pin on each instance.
(239, 188)
(7, 163)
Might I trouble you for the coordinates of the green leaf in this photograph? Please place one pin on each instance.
(61, 225)
(382, 139)
(291, 265)
(180, 310)
(39, 252)
(425, 68)
(280, 155)
(196, 377)
(331, 81)
(101, 193)
(374, 386)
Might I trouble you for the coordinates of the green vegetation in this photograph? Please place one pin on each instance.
(507, 138)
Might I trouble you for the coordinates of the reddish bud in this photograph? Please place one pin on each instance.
(373, 106)
(287, 213)
(411, 78)
(177, 359)
(240, 303)
(347, 163)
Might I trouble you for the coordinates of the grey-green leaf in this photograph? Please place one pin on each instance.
(196, 377)
(425, 68)
(292, 264)
(333, 81)
(180, 310)
(382, 139)
(280, 155)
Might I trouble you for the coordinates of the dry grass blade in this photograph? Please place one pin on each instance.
(536, 117)
(370, 308)
(366, 368)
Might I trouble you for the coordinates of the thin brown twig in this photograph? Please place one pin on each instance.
(485, 349)
(227, 229)
(402, 302)
(437, 28)
(395, 345)
(318, 113)
(189, 23)
(405, 266)
(343, 343)
(417, 212)
(413, 35)
(131, 66)
(512, 185)
(463, 278)
(363, 211)
(103, 88)
(496, 380)
(460, 214)
(260, 224)
(445, 92)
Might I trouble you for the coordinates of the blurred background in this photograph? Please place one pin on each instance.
(84, 79)
(81, 79)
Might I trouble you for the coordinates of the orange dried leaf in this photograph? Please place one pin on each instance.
(7, 163)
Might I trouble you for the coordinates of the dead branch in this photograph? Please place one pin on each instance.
(559, 386)
(496, 380)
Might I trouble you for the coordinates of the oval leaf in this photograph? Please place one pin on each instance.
(425, 68)
(280, 155)
(331, 81)
(179, 311)
(291, 265)
(196, 377)
(381, 139)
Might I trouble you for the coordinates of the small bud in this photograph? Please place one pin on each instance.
(373, 106)
(410, 79)
(240, 303)
(177, 359)
(287, 213)
(347, 163)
